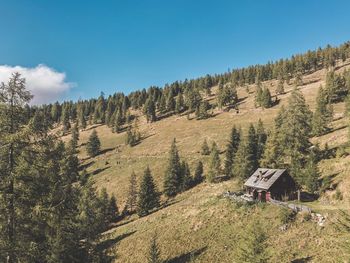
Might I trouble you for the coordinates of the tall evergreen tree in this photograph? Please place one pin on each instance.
(179, 105)
(322, 115)
(93, 145)
(75, 135)
(231, 149)
(252, 148)
(148, 194)
(150, 110)
(198, 174)
(253, 246)
(280, 86)
(186, 176)
(265, 100)
(81, 119)
(311, 174)
(172, 177)
(154, 251)
(294, 132)
(261, 139)
(205, 148)
(131, 202)
(214, 163)
(13, 138)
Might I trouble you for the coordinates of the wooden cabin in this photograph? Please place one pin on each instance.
(265, 184)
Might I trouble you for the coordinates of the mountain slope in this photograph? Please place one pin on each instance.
(199, 220)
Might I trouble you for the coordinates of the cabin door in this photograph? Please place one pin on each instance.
(263, 196)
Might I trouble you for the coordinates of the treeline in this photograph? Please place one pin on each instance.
(180, 96)
(49, 212)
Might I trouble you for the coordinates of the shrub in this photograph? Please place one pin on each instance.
(286, 215)
(338, 195)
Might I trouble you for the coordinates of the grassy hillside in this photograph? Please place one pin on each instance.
(199, 222)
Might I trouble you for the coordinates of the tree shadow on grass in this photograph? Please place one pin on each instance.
(85, 166)
(187, 257)
(108, 243)
(106, 151)
(100, 170)
(302, 260)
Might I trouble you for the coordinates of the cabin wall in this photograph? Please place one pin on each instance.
(284, 186)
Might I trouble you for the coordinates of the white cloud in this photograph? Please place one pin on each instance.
(46, 84)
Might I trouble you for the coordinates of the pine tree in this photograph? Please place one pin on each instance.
(132, 193)
(90, 221)
(65, 121)
(150, 110)
(13, 139)
(259, 96)
(117, 122)
(148, 197)
(202, 112)
(265, 100)
(205, 148)
(154, 251)
(252, 149)
(242, 163)
(75, 136)
(294, 132)
(298, 79)
(186, 176)
(113, 211)
(179, 106)
(93, 145)
(311, 174)
(198, 174)
(271, 157)
(252, 247)
(280, 86)
(214, 164)
(231, 149)
(172, 177)
(81, 119)
(261, 139)
(323, 114)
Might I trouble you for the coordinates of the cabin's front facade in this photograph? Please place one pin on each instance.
(265, 184)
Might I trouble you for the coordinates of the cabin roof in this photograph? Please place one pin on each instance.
(264, 178)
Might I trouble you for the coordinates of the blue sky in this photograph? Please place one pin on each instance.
(116, 45)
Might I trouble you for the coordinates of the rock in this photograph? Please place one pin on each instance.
(283, 228)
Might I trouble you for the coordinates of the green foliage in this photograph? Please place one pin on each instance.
(205, 148)
(93, 145)
(231, 149)
(148, 196)
(227, 95)
(150, 110)
(154, 255)
(133, 135)
(286, 215)
(180, 104)
(338, 195)
(311, 175)
(202, 110)
(252, 247)
(323, 114)
(172, 177)
(198, 174)
(131, 202)
(280, 86)
(214, 163)
(75, 136)
(336, 89)
(266, 101)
